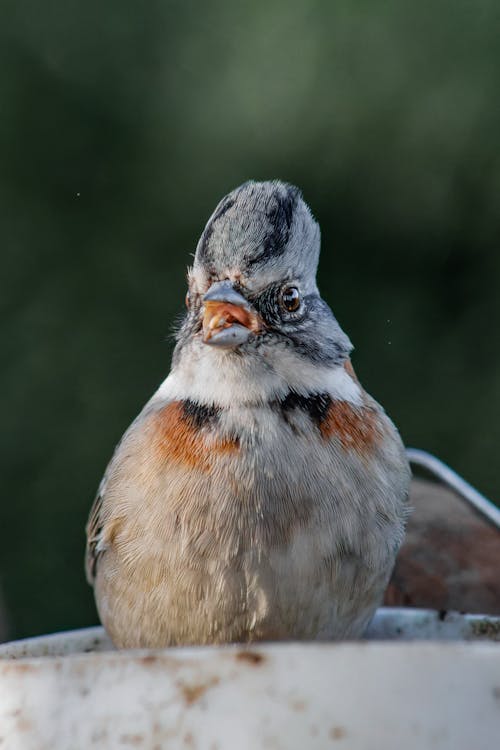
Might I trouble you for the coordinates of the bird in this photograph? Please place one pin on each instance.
(261, 493)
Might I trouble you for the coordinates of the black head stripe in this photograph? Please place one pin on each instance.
(281, 213)
(280, 220)
(224, 206)
(280, 216)
(259, 224)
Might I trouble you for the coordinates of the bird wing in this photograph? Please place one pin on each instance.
(123, 470)
(94, 534)
(95, 524)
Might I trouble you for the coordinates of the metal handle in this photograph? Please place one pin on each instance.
(417, 457)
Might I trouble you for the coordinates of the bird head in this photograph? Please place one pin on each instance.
(252, 288)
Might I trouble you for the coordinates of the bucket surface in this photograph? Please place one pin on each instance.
(72, 690)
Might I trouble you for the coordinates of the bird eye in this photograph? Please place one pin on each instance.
(290, 298)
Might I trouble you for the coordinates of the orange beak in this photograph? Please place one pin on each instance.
(228, 318)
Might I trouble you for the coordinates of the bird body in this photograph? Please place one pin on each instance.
(261, 493)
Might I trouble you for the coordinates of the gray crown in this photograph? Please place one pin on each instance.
(256, 225)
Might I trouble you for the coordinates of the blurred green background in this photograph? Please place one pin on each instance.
(121, 126)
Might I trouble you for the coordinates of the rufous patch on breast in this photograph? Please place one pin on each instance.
(179, 440)
(357, 428)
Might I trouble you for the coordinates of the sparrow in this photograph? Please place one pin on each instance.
(261, 493)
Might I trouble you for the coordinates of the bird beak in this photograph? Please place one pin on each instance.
(228, 318)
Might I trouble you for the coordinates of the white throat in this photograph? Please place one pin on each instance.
(211, 376)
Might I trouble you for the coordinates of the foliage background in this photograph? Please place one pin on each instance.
(121, 126)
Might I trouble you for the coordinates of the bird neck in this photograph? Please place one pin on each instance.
(224, 379)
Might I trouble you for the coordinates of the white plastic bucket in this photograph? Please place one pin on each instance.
(71, 690)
